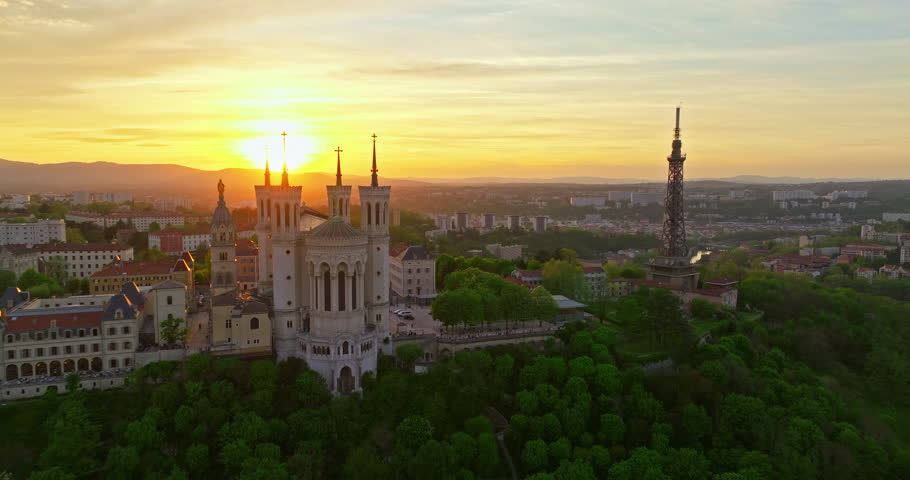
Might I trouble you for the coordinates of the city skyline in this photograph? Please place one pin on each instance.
(511, 89)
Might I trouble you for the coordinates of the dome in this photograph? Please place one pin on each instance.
(222, 215)
(335, 229)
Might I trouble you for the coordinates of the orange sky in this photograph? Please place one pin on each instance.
(492, 88)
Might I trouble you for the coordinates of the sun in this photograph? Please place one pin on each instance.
(265, 138)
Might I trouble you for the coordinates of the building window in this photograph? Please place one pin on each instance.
(81, 332)
(10, 355)
(94, 332)
(126, 330)
(112, 347)
(55, 351)
(170, 300)
(127, 345)
(227, 324)
(68, 349)
(9, 339)
(113, 363)
(25, 353)
(254, 323)
(96, 347)
(81, 348)
(68, 334)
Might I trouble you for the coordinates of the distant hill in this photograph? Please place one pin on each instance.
(177, 180)
(759, 180)
(158, 179)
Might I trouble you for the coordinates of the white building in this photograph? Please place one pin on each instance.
(32, 232)
(784, 195)
(176, 241)
(412, 273)
(330, 284)
(506, 252)
(165, 300)
(587, 201)
(894, 217)
(540, 224)
(84, 259)
(85, 198)
(838, 194)
(619, 196)
(138, 220)
(86, 335)
(15, 201)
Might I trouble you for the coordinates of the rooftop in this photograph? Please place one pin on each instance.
(142, 267)
(335, 229)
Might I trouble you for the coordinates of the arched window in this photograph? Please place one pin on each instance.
(269, 208)
(344, 348)
(287, 215)
(376, 214)
(341, 293)
(369, 214)
(118, 315)
(354, 291)
(327, 291)
(254, 323)
(170, 316)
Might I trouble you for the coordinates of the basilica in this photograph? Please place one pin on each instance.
(329, 281)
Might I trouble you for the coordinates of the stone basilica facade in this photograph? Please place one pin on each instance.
(329, 280)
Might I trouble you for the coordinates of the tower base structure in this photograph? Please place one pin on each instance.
(673, 271)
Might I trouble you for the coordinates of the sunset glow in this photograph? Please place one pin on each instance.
(525, 89)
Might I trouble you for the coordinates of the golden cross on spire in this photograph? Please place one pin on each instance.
(374, 137)
(339, 150)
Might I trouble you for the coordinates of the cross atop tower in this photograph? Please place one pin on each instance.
(268, 174)
(284, 168)
(338, 171)
(375, 182)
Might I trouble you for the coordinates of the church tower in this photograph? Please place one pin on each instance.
(339, 196)
(374, 221)
(224, 265)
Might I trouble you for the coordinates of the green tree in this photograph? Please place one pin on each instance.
(72, 438)
(54, 473)
(7, 279)
(74, 235)
(173, 331)
(413, 432)
(72, 382)
(534, 456)
(544, 307)
(409, 353)
(564, 278)
(462, 305)
(121, 463)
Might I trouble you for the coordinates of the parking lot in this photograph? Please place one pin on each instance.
(422, 324)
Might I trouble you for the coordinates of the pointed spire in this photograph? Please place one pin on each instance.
(268, 174)
(375, 182)
(677, 143)
(284, 168)
(338, 170)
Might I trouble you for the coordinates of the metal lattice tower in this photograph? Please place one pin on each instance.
(674, 232)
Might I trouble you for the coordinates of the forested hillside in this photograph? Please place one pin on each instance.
(817, 388)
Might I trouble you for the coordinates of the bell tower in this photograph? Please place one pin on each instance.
(339, 196)
(223, 276)
(374, 221)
